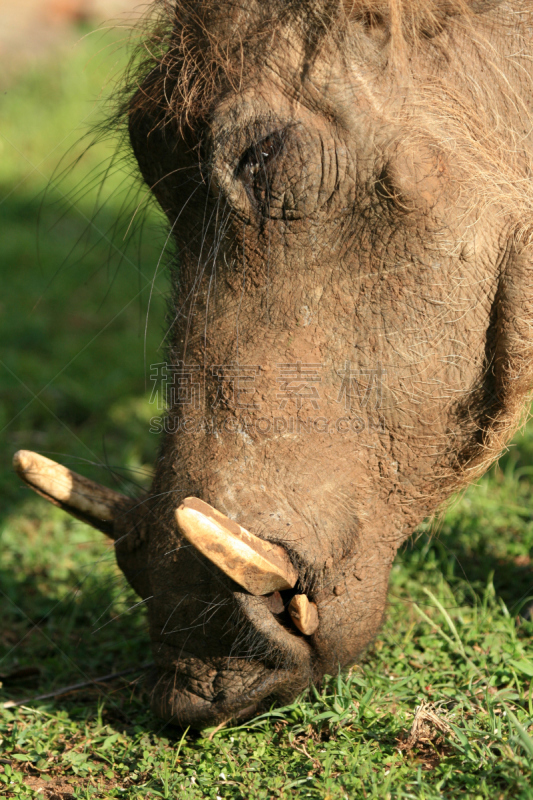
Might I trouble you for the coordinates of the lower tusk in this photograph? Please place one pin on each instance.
(258, 566)
(80, 496)
(275, 603)
(304, 614)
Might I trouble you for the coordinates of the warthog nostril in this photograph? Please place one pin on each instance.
(258, 566)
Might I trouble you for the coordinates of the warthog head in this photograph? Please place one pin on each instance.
(348, 184)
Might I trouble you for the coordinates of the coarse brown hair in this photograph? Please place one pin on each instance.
(464, 72)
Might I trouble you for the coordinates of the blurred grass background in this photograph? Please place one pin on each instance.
(76, 278)
(77, 275)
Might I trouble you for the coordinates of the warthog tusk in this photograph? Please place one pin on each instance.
(304, 614)
(276, 604)
(255, 564)
(80, 496)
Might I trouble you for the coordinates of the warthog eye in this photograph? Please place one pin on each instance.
(255, 166)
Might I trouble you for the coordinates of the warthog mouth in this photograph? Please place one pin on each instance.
(202, 693)
(277, 624)
(174, 700)
(279, 619)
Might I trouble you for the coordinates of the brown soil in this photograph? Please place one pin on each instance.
(56, 787)
(52, 789)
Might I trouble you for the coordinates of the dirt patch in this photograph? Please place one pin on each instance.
(52, 788)
(427, 737)
(56, 787)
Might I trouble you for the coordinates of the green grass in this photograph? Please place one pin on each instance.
(73, 382)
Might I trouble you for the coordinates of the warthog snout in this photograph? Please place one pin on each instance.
(261, 568)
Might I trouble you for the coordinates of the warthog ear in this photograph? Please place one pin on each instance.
(494, 410)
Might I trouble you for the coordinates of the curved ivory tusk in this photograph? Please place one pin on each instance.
(304, 614)
(255, 564)
(80, 496)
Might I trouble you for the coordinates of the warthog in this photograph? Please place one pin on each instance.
(348, 184)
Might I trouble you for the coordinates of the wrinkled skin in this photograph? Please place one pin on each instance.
(351, 240)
